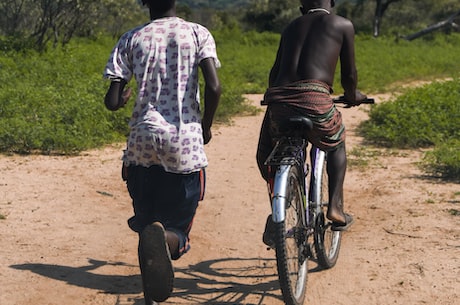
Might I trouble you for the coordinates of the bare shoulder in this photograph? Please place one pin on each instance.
(341, 21)
(342, 24)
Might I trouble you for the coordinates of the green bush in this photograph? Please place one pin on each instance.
(428, 116)
(444, 160)
(421, 117)
(52, 103)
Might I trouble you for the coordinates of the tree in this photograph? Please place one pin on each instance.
(400, 16)
(57, 21)
(449, 22)
(10, 15)
(380, 8)
(273, 16)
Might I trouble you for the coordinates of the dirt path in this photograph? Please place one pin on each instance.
(65, 240)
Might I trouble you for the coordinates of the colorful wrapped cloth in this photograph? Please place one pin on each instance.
(308, 98)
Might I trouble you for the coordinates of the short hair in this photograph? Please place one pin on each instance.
(159, 5)
(316, 3)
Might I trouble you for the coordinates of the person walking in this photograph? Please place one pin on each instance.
(164, 160)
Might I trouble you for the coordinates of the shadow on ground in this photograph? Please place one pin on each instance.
(236, 281)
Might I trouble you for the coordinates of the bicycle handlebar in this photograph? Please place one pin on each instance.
(342, 100)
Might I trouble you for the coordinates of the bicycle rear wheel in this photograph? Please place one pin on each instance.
(290, 241)
(327, 242)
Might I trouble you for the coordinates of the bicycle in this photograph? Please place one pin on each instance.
(301, 229)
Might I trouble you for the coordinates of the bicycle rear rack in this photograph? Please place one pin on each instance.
(287, 151)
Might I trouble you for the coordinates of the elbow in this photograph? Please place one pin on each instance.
(214, 90)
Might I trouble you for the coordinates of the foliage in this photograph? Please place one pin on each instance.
(384, 64)
(60, 20)
(215, 4)
(401, 17)
(270, 16)
(52, 102)
(422, 117)
(246, 59)
(444, 160)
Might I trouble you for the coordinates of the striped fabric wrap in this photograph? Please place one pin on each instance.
(311, 99)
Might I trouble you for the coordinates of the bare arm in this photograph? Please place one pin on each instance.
(212, 92)
(349, 75)
(276, 67)
(116, 96)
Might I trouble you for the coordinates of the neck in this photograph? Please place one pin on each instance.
(156, 15)
(319, 9)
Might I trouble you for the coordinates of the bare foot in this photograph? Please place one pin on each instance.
(343, 226)
(336, 216)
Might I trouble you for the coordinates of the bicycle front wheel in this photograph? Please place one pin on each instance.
(327, 242)
(290, 243)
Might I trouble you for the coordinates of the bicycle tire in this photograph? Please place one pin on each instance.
(327, 241)
(290, 240)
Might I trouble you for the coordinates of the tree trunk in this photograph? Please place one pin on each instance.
(380, 8)
(442, 24)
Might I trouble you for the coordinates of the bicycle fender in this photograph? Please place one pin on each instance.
(317, 172)
(280, 194)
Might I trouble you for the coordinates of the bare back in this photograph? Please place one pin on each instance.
(310, 48)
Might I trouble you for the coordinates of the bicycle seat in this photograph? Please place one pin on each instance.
(297, 124)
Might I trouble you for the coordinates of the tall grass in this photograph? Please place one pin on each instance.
(384, 64)
(53, 102)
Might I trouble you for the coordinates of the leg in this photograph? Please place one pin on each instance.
(172, 238)
(336, 168)
(155, 263)
(264, 147)
(161, 200)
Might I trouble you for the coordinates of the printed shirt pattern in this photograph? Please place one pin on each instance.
(163, 57)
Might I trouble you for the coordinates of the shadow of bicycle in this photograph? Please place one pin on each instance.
(227, 281)
(243, 281)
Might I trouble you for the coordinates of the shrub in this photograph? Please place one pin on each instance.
(423, 117)
(444, 160)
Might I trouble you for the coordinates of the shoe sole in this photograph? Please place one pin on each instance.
(155, 262)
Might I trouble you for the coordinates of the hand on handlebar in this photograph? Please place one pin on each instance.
(350, 102)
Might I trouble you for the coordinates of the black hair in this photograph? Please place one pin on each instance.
(317, 3)
(159, 5)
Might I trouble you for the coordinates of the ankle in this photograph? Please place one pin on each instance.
(173, 242)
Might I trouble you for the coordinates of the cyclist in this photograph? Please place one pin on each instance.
(164, 159)
(300, 83)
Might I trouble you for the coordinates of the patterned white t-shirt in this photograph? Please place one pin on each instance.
(163, 57)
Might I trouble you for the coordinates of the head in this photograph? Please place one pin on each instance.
(160, 6)
(309, 4)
